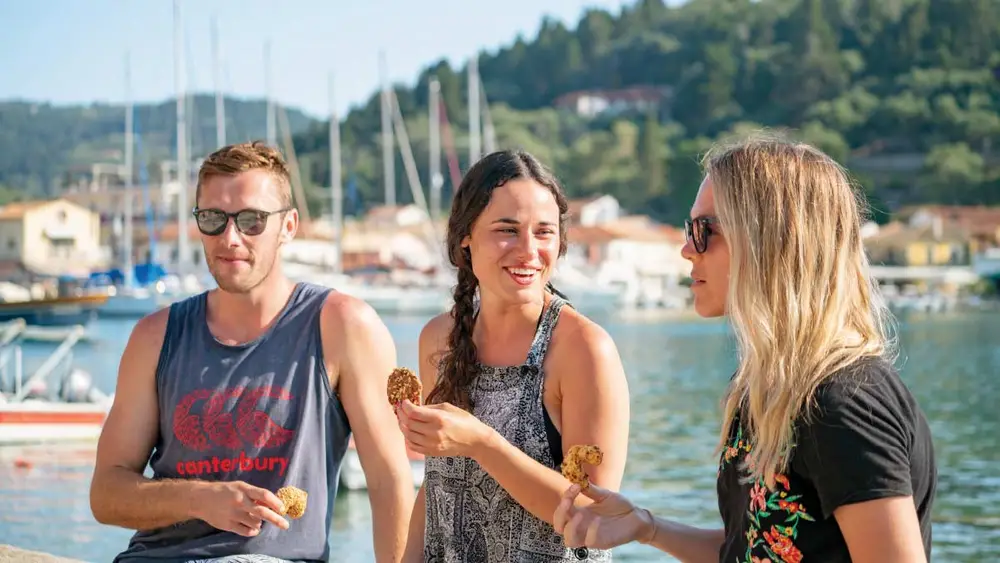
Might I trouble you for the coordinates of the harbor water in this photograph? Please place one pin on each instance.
(677, 372)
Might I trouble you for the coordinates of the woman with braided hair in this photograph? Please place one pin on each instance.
(513, 378)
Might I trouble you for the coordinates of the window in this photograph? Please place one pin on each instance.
(894, 258)
(957, 255)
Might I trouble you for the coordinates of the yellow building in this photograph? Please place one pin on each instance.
(936, 244)
(50, 237)
(980, 223)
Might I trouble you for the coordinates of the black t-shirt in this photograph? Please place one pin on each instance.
(867, 439)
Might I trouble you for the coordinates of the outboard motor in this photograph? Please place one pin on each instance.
(78, 387)
(37, 389)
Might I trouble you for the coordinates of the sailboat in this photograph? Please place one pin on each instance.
(394, 298)
(129, 299)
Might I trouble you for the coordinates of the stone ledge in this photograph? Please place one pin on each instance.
(11, 554)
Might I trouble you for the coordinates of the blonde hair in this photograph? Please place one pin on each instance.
(800, 299)
(235, 159)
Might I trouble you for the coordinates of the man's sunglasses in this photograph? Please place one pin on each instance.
(698, 230)
(251, 222)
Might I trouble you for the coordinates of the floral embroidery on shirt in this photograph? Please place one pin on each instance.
(776, 544)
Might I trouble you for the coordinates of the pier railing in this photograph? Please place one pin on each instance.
(10, 352)
(11, 336)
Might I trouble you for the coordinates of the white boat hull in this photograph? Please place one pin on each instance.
(137, 304)
(36, 421)
(387, 298)
(352, 476)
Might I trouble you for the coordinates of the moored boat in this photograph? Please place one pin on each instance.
(45, 421)
(32, 411)
(352, 476)
(54, 311)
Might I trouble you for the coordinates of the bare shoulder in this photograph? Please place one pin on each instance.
(357, 346)
(139, 361)
(148, 333)
(578, 340)
(434, 335)
(152, 325)
(345, 316)
(432, 346)
(583, 352)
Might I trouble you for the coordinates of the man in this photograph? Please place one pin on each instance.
(241, 390)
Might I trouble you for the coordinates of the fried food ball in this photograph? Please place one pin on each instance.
(572, 466)
(403, 384)
(294, 500)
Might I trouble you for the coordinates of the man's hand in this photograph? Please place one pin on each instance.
(239, 507)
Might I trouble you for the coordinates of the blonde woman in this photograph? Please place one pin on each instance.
(824, 454)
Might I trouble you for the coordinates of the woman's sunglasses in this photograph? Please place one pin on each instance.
(251, 222)
(698, 230)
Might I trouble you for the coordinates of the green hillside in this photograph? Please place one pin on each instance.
(905, 92)
(44, 146)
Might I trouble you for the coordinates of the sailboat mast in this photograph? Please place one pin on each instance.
(183, 176)
(410, 165)
(129, 149)
(489, 132)
(434, 102)
(220, 103)
(388, 157)
(336, 186)
(475, 140)
(272, 116)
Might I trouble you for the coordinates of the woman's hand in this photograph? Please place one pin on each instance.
(441, 430)
(612, 520)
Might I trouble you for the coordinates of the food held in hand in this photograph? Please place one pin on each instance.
(572, 467)
(294, 500)
(404, 384)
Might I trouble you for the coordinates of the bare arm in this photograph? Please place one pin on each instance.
(360, 344)
(119, 493)
(612, 520)
(415, 539)
(432, 340)
(686, 543)
(595, 410)
(885, 530)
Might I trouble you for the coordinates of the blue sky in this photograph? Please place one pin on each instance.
(73, 51)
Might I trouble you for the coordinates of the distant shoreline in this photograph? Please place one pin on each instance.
(659, 314)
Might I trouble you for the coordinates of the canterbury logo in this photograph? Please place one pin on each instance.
(215, 426)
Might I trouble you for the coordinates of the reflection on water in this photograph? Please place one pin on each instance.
(677, 372)
(48, 509)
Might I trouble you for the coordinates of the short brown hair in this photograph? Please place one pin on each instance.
(235, 159)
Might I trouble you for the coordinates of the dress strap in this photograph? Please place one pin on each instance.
(540, 344)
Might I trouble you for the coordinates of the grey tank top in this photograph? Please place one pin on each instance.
(470, 518)
(261, 412)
